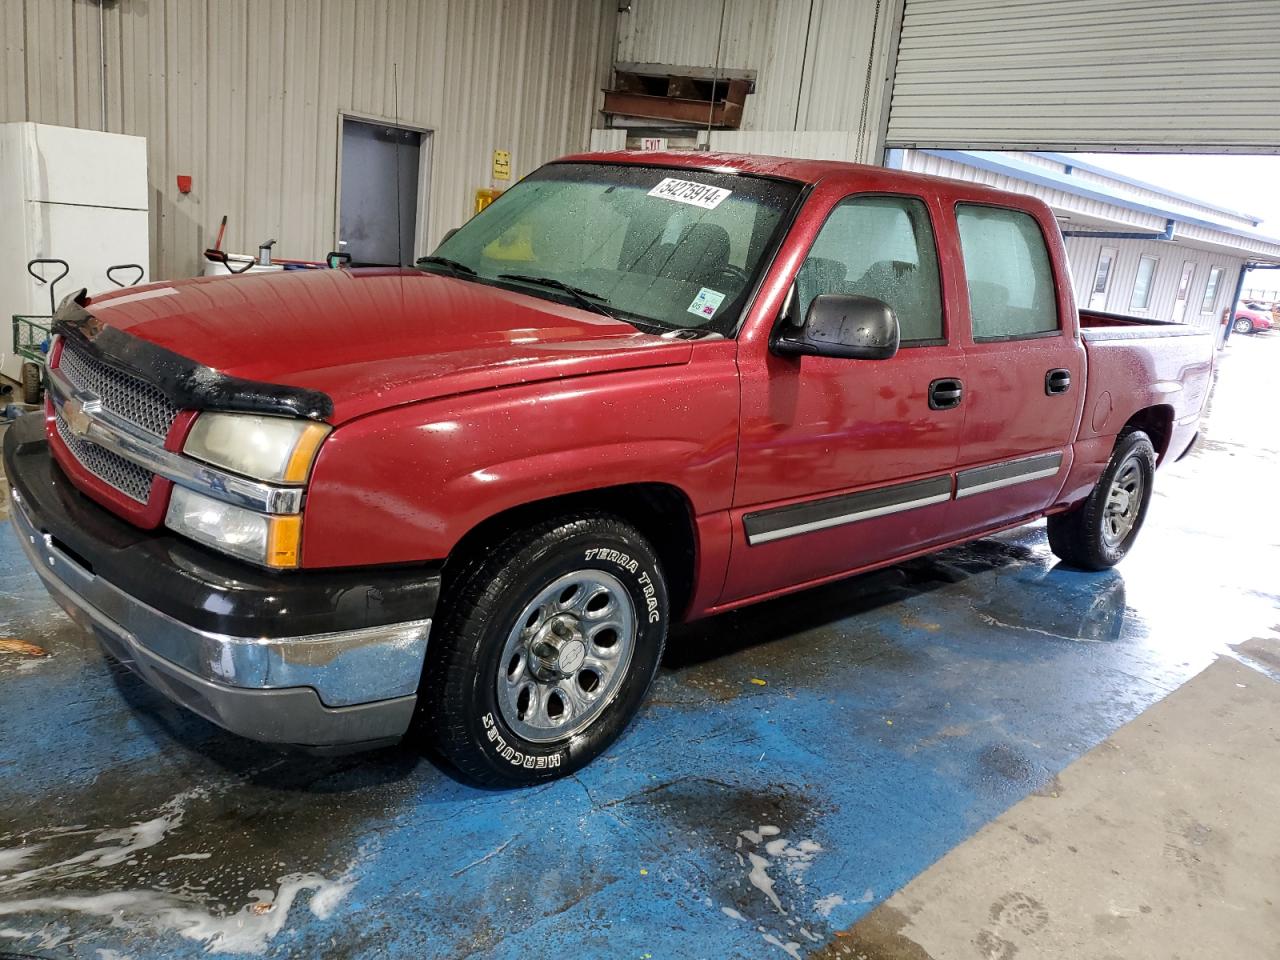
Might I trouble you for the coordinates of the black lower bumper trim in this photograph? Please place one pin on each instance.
(198, 586)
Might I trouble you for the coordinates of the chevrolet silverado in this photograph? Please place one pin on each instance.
(465, 501)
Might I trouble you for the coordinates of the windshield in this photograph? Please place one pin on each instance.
(663, 248)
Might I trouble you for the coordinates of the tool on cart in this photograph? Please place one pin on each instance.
(31, 334)
(126, 266)
(237, 263)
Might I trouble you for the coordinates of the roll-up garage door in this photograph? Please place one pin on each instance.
(1201, 75)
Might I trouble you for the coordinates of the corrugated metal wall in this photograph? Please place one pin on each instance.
(822, 65)
(1089, 74)
(1083, 255)
(1083, 251)
(1060, 200)
(245, 96)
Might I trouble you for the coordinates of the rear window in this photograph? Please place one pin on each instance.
(1010, 277)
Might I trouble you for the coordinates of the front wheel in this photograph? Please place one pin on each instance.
(1244, 325)
(545, 649)
(1098, 533)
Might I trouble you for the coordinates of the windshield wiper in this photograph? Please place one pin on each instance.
(589, 300)
(453, 265)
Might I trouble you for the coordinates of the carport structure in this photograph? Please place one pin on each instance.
(1134, 247)
(953, 758)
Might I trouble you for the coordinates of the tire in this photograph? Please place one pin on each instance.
(1243, 325)
(527, 680)
(31, 383)
(1097, 534)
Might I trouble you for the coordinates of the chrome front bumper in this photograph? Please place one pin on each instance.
(319, 690)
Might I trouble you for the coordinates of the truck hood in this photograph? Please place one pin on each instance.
(377, 338)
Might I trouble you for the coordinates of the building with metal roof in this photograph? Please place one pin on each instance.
(1135, 248)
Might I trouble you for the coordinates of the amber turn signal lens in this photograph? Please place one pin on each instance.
(304, 453)
(284, 536)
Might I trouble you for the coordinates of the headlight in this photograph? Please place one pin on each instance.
(267, 540)
(275, 449)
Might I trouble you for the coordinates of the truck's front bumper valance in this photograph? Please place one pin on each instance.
(237, 645)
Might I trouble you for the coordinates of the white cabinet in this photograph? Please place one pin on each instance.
(74, 195)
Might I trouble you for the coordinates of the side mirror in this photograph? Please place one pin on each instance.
(447, 234)
(843, 325)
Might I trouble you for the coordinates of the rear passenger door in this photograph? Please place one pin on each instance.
(1024, 367)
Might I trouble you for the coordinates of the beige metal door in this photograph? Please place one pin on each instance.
(1102, 279)
(1184, 290)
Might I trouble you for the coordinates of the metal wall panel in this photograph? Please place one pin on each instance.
(1058, 199)
(821, 65)
(1157, 75)
(1083, 255)
(245, 96)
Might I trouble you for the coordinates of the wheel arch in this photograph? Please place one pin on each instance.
(661, 512)
(1157, 423)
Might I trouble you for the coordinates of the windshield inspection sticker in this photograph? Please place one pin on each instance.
(706, 303)
(686, 191)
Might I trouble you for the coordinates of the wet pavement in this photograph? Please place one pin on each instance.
(797, 763)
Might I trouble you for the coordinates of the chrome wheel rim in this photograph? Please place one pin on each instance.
(1124, 501)
(566, 656)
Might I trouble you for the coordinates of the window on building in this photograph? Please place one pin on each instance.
(882, 247)
(1143, 283)
(1211, 290)
(1103, 274)
(1011, 288)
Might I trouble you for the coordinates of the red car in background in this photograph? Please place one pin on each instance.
(1251, 319)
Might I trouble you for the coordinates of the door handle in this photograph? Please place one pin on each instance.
(1057, 381)
(945, 393)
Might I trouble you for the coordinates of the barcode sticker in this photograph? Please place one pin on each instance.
(686, 191)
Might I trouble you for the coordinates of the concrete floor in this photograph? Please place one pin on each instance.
(797, 764)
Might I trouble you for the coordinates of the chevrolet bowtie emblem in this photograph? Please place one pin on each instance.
(78, 415)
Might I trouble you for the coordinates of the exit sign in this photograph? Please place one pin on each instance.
(653, 143)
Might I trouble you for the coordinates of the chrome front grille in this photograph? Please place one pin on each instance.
(129, 398)
(111, 468)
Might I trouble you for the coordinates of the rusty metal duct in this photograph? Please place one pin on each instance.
(697, 96)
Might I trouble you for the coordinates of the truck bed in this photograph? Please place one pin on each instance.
(1098, 325)
(1144, 365)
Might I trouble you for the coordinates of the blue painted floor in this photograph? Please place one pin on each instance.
(796, 764)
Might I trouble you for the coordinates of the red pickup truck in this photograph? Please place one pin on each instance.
(327, 508)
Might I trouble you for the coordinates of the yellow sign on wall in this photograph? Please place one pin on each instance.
(502, 164)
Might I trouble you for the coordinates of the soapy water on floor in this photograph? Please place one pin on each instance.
(772, 859)
(42, 859)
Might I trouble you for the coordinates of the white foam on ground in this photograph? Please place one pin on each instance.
(249, 930)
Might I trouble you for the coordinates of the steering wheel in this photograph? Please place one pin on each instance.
(735, 275)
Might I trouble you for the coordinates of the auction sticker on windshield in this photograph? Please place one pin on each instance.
(686, 191)
(707, 302)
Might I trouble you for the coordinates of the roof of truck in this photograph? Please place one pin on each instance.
(803, 171)
(807, 171)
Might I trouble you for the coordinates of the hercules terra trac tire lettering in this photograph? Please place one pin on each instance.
(544, 650)
(1098, 533)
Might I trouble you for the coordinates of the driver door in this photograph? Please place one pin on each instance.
(845, 463)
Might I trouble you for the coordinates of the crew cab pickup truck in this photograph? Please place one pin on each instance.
(465, 501)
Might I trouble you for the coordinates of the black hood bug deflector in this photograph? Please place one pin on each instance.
(187, 384)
